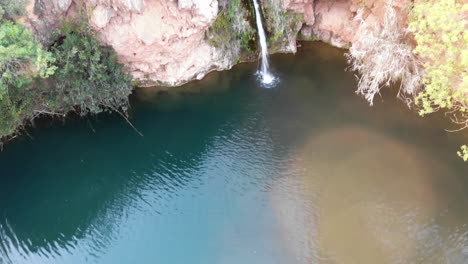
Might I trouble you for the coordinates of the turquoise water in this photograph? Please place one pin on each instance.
(229, 172)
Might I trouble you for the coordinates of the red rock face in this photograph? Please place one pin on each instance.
(334, 21)
(45, 17)
(305, 7)
(163, 41)
(159, 41)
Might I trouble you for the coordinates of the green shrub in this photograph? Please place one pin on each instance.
(279, 24)
(21, 60)
(231, 30)
(85, 76)
(220, 31)
(442, 40)
(89, 78)
(440, 30)
(11, 9)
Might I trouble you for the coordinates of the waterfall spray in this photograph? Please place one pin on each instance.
(265, 76)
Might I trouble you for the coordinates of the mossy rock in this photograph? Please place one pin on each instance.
(229, 29)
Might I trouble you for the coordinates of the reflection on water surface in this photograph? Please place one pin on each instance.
(228, 172)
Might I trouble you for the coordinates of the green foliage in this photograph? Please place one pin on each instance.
(231, 29)
(234, 5)
(248, 41)
(17, 107)
(89, 77)
(280, 23)
(463, 153)
(220, 31)
(439, 27)
(85, 76)
(11, 9)
(442, 40)
(21, 60)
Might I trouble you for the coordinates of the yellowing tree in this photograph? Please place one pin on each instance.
(440, 28)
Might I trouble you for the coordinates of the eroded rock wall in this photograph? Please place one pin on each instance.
(164, 42)
(159, 41)
(335, 21)
(305, 7)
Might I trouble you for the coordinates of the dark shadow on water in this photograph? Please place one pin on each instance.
(69, 178)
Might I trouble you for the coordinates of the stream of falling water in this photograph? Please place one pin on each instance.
(265, 76)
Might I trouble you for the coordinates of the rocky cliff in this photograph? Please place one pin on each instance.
(165, 42)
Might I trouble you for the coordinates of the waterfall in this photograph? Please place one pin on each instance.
(265, 76)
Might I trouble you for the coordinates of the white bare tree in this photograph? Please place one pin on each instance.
(382, 55)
